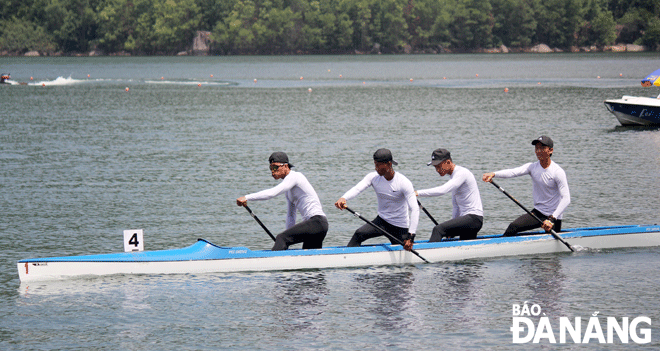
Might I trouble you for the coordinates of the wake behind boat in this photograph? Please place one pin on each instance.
(205, 257)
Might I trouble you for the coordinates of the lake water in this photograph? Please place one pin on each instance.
(82, 159)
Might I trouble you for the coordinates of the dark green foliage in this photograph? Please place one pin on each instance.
(322, 26)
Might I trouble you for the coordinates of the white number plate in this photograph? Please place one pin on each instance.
(133, 240)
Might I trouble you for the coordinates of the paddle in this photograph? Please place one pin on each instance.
(427, 213)
(390, 236)
(533, 215)
(258, 221)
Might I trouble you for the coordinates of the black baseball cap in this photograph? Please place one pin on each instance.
(384, 155)
(279, 157)
(438, 156)
(545, 140)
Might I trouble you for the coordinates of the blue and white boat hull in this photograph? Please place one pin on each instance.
(635, 111)
(205, 257)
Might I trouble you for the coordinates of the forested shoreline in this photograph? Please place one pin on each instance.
(167, 27)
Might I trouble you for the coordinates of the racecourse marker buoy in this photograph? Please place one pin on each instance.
(199, 84)
(126, 89)
(310, 90)
(255, 80)
(88, 76)
(411, 79)
(506, 90)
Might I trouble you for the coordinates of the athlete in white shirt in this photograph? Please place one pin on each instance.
(398, 212)
(549, 189)
(300, 195)
(467, 213)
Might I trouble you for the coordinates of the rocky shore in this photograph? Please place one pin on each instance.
(202, 40)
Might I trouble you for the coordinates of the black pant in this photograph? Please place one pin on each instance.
(310, 232)
(466, 227)
(367, 231)
(528, 222)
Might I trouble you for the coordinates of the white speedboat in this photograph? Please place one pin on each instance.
(205, 257)
(635, 110)
(638, 110)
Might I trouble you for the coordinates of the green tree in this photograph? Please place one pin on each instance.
(562, 20)
(388, 26)
(118, 22)
(603, 29)
(169, 27)
(212, 12)
(428, 22)
(234, 33)
(71, 22)
(515, 24)
(651, 38)
(274, 29)
(472, 24)
(19, 36)
(632, 24)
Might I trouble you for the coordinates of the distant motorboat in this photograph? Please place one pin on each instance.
(638, 110)
(5, 79)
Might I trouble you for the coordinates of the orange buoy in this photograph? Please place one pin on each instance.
(162, 78)
(477, 75)
(255, 80)
(31, 78)
(506, 90)
(199, 84)
(43, 84)
(301, 78)
(310, 90)
(126, 89)
(88, 76)
(340, 76)
(411, 79)
(211, 76)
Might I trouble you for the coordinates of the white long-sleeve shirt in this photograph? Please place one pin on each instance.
(397, 203)
(549, 186)
(465, 198)
(300, 195)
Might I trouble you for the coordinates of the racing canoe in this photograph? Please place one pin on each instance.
(205, 257)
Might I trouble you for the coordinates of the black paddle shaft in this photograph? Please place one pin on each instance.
(533, 215)
(427, 213)
(258, 221)
(390, 236)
